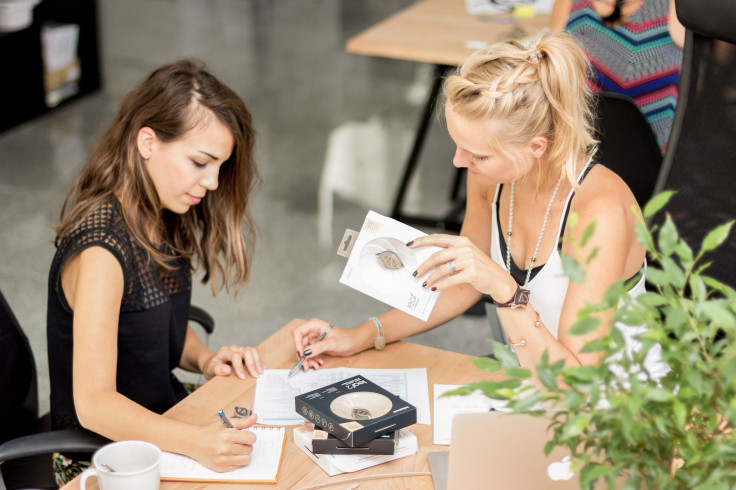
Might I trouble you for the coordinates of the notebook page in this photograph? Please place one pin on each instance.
(264, 466)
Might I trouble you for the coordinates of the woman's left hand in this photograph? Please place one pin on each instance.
(236, 358)
(460, 261)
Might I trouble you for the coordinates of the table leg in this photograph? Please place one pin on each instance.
(450, 222)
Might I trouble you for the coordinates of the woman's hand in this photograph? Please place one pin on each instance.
(234, 358)
(338, 342)
(221, 449)
(461, 262)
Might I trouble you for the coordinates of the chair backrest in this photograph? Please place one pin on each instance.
(700, 161)
(18, 383)
(627, 144)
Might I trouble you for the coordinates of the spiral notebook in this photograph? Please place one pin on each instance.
(264, 467)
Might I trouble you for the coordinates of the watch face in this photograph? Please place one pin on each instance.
(380, 342)
(522, 297)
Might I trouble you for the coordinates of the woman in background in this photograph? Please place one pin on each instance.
(164, 192)
(521, 121)
(635, 49)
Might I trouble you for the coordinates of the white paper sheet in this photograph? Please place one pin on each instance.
(395, 287)
(275, 391)
(445, 408)
(335, 464)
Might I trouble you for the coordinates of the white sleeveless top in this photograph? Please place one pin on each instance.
(549, 286)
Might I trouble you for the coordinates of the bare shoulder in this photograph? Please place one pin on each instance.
(94, 268)
(604, 196)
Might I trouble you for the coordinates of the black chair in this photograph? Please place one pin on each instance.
(26, 441)
(627, 144)
(700, 161)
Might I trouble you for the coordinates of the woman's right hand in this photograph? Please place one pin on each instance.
(221, 449)
(338, 342)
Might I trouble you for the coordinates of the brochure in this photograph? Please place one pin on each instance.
(381, 266)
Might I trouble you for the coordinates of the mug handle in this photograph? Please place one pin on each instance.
(86, 474)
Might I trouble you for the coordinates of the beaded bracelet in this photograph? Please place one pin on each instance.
(522, 342)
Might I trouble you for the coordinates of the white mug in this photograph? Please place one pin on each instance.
(124, 465)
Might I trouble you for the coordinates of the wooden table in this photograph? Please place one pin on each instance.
(440, 32)
(297, 470)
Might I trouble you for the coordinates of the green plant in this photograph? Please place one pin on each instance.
(671, 432)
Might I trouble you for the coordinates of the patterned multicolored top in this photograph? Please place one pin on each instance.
(636, 57)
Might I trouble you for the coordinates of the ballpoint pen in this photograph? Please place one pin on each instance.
(225, 420)
(308, 352)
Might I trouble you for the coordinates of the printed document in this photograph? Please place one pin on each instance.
(275, 391)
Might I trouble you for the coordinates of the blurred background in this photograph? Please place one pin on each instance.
(333, 133)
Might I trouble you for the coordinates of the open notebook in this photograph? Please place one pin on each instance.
(264, 467)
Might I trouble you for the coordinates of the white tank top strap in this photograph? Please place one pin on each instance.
(565, 209)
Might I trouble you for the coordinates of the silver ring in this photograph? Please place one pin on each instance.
(451, 266)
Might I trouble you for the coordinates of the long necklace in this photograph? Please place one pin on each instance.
(541, 232)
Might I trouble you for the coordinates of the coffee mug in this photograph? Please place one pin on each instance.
(124, 465)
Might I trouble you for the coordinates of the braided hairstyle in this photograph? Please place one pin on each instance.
(528, 92)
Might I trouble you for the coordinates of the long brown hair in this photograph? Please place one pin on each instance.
(211, 235)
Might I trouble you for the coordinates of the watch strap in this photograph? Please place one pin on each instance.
(519, 300)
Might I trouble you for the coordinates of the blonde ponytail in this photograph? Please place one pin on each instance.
(532, 91)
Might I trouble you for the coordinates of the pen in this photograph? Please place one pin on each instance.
(308, 352)
(225, 420)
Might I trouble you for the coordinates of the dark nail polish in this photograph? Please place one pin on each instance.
(424, 284)
(434, 288)
(414, 273)
(308, 352)
(410, 243)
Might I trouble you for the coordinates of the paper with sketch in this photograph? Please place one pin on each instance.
(446, 407)
(275, 391)
(381, 266)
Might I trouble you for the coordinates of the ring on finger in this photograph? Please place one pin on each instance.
(451, 266)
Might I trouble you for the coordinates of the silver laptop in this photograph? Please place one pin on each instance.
(503, 450)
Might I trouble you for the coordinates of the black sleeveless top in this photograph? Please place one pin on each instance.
(152, 323)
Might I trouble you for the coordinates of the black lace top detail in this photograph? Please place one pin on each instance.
(152, 321)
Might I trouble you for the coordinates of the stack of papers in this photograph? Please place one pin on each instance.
(334, 464)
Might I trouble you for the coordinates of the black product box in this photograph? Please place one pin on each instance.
(355, 410)
(325, 443)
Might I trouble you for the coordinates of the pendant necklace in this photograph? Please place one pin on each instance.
(541, 232)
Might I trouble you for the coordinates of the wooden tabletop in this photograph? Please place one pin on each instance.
(439, 32)
(297, 470)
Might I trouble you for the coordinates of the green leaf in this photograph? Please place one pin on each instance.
(656, 203)
(659, 395)
(547, 376)
(667, 238)
(718, 313)
(697, 286)
(587, 233)
(487, 364)
(586, 325)
(519, 372)
(573, 269)
(680, 413)
(644, 237)
(504, 355)
(716, 236)
(685, 253)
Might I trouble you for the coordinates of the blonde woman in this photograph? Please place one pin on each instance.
(521, 121)
(165, 191)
